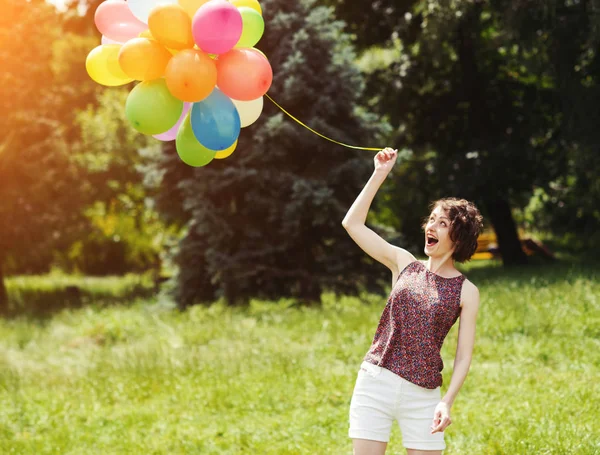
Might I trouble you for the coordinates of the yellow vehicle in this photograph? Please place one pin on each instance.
(487, 247)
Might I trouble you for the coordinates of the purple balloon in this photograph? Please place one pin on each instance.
(217, 26)
(172, 133)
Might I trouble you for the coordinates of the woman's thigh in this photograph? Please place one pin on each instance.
(372, 406)
(368, 447)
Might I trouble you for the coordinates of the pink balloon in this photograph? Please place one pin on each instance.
(217, 26)
(116, 21)
(172, 133)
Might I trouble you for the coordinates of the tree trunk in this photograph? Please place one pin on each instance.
(506, 232)
(3, 292)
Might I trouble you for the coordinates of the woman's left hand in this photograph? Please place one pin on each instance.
(441, 417)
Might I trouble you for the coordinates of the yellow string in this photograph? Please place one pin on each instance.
(319, 134)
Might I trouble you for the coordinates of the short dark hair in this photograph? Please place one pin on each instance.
(466, 224)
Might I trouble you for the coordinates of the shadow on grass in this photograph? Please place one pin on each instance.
(42, 297)
(565, 268)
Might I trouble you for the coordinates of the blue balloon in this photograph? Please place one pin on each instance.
(216, 121)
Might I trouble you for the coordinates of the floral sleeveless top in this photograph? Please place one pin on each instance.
(420, 311)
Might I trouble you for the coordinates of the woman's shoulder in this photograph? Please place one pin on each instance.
(469, 294)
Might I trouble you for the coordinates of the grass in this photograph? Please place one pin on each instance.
(275, 378)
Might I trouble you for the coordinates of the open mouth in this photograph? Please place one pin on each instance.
(431, 241)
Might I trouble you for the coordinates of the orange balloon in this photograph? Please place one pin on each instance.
(191, 6)
(143, 59)
(244, 74)
(191, 75)
(171, 26)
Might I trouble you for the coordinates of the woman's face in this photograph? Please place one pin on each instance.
(437, 234)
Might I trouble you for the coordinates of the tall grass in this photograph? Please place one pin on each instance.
(277, 378)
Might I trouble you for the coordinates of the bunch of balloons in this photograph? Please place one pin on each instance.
(201, 78)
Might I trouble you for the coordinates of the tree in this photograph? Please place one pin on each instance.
(38, 181)
(266, 222)
(483, 92)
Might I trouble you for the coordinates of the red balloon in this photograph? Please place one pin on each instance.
(244, 74)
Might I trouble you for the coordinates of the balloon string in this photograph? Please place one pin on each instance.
(319, 134)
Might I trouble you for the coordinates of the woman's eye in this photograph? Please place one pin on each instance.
(443, 223)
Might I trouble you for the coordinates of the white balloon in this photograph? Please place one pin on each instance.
(141, 8)
(106, 40)
(249, 110)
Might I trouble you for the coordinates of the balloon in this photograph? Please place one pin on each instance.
(172, 133)
(260, 52)
(248, 3)
(191, 75)
(143, 59)
(102, 64)
(189, 149)
(249, 110)
(253, 29)
(141, 8)
(115, 21)
(151, 109)
(215, 121)
(106, 40)
(171, 26)
(191, 6)
(147, 34)
(244, 74)
(217, 26)
(225, 153)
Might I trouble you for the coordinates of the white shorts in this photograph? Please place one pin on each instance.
(380, 397)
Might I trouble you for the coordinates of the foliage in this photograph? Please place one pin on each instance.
(39, 183)
(125, 232)
(72, 194)
(266, 222)
(495, 97)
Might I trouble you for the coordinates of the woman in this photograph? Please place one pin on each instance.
(400, 376)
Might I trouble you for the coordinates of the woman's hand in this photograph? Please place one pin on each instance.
(441, 417)
(385, 159)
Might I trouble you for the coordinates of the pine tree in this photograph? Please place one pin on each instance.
(266, 222)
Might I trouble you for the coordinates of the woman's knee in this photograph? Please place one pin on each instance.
(368, 447)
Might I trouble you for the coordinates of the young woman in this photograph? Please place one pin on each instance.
(400, 376)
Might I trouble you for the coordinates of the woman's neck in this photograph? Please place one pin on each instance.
(441, 266)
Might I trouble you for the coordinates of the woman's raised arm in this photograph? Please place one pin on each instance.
(391, 256)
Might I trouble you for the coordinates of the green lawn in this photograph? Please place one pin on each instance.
(141, 378)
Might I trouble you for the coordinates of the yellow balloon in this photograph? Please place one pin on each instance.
(258, 50)
(146, 34)
(191, 6)
(225, 153)
(171, 26)
(102, 64)
(248, 3)
(144, 59)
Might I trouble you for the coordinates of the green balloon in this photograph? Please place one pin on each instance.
(253, 29)
(192, 152)
(151, 109)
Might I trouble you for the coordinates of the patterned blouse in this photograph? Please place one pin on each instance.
(420, 311)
